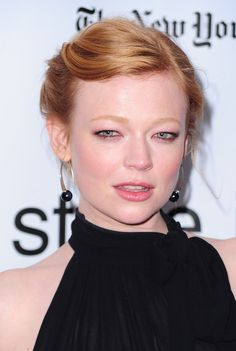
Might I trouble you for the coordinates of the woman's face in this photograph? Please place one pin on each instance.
(127, 142)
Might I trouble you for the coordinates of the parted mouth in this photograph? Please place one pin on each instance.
(134, 187)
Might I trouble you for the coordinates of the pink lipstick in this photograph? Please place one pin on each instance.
(134, 191)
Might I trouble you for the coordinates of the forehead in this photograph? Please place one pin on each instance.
(145, 96)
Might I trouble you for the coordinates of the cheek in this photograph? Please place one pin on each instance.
(90, 162)
(169, 165)
(173, 173)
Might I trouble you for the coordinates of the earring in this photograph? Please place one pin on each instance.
(175, 195)
(66, 194)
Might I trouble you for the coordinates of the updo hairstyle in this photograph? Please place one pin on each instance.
(112, 48)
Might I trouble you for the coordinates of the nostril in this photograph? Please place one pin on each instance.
(140, 165)
(138, 159)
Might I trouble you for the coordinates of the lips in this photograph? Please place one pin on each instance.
(135, 188)
(134, 191)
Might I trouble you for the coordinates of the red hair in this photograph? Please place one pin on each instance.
(117, 47)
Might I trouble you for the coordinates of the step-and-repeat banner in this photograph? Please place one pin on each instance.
(34, 222)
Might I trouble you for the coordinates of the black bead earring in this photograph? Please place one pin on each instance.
(66, 194)
(174, 196)
(176, 193)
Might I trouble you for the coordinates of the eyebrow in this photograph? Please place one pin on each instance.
(125, 120)
(111, 118)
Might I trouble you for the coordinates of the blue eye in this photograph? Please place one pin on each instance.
(107, 133)
(166, 135)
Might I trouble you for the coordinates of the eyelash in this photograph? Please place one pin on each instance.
(106, 134)
(167, 135)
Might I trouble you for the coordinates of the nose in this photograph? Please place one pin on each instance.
(138, 155)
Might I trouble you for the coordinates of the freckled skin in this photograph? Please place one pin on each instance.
(149, 104)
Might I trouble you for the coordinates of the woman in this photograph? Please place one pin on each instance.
(122, 106)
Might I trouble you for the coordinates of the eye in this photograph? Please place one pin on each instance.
(107, 133)
(166, 135)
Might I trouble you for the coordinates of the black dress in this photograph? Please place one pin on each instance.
(140, 292)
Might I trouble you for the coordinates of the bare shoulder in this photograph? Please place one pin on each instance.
(25, 295)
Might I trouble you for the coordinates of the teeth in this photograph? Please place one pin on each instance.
(134, 188)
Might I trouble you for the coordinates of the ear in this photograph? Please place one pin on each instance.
(59, 138)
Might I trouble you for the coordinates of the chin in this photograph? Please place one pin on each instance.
(134, 216)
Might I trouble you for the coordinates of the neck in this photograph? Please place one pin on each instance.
(153, 223)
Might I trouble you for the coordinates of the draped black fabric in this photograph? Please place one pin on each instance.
(140, 292)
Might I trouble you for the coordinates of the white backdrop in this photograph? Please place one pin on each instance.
(33, 223)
